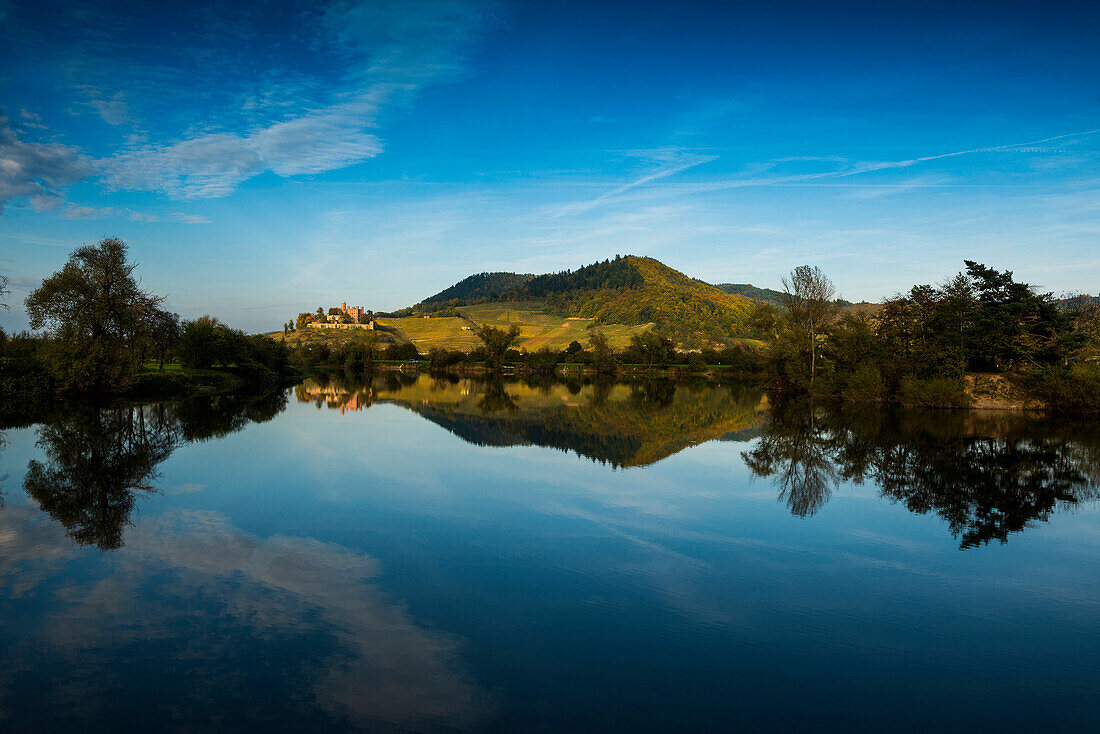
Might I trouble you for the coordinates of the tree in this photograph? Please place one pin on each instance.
(809, 295)
(603, 359)
(650, 349)
(206, 342)
(94, 309)
(164, 334)
(359, 355)
(1013, 324)
(497, 342)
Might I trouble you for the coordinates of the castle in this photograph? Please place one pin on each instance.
(332, 320)
(354, 312)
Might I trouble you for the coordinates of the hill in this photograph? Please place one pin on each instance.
(479, 287)
(631, 291)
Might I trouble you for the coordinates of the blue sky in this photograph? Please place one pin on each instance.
(265, 158)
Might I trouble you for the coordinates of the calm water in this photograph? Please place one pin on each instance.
(430, 555)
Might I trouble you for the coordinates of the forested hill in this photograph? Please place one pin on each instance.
(627, 290)
(479, 287)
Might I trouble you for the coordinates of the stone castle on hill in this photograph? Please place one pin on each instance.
(360, 318)
(354, 312)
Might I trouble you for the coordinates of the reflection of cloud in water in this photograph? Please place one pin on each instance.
(381, 667)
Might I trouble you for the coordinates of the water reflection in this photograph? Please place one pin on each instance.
(624, 424)
(98, 460)
(986, 475)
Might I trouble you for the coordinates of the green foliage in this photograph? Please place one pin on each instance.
(359, 354)
(936, 392)
(479, 287)
(497, 342)
(1012, 325)
(603, 359)
(1073, 389)
(206, 342)
(627, 290)
(916, 347)
(606, 275)
(649, 349)
(406, 351)
(683, 309)
(95, 313)
(865, 384)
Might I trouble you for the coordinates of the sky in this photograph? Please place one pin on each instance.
(262, 159)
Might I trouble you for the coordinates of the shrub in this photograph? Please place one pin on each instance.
(865, 385)
(1076, 389)
(938, 392)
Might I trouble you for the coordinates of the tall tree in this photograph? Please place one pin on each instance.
(603, 359)
(93, 309)
(809, 297)
(498, 342)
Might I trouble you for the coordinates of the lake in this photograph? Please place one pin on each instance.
(415, 553)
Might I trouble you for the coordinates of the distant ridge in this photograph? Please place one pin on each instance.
(762, 295)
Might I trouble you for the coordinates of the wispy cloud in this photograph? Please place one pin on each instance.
(86, 212)
(113, 109)
(664, 162)
(823, 171)
(390, 51)
(36, 170)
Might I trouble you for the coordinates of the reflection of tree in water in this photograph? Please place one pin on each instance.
(494, 398)
(601, 390)
(987, 478)
(98, 459)
(652, 395)
(794, 449)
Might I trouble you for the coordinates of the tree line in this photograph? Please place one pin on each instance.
(99, 331)
(918, 346)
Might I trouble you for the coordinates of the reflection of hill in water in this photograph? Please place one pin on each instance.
(623, 424)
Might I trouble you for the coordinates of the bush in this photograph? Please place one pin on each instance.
(696, 362)
(937, 392)
(865, 385)
(1076, 389)
(404, 352)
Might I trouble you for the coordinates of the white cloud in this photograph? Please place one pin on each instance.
(383, 668)
(36, 170)
(390, 50)
(113, 109)
(86, 212)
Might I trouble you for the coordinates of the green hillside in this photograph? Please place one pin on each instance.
(628, 291)
(688, 311)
